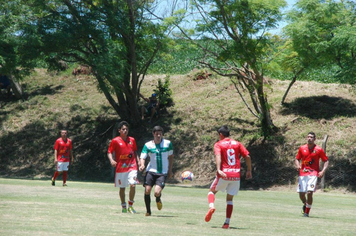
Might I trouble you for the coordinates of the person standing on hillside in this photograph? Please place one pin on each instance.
(63, 157)
(126, 160)
(307, 163)
(160, 151)
(227, 160)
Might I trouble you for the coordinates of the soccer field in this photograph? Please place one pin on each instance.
(33, 207)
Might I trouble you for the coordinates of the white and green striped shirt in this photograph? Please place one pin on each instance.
(158, 155)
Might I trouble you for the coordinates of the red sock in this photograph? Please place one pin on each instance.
(211, 197)
(55, 175)
(307, 208)
(229, 208)
(131, 203)
(64, 177)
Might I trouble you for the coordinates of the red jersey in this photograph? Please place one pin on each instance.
(124, 153)
(230, 151)
(310, 159)
(63, 149)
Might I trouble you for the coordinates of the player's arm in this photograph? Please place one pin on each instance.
(170, 166)
(322, 172)
(218, 165)
(71, 157)
(55, 156)
(297, 164)
(249, 167)
(112, 162)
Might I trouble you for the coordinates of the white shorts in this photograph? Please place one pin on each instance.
(62, 166)
(124, 179)
(307, 183)
(231, 187)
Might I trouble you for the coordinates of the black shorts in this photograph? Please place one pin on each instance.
(152, 178)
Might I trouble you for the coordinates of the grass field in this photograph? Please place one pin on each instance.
(34, 207)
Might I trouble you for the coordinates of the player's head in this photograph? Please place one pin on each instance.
(224, 130)
(311, 138)
(123, 128)
(63, 133)
(157, 128)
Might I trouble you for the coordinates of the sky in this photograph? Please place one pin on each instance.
(290, 4)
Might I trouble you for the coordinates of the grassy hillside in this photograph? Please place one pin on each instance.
(29, 128)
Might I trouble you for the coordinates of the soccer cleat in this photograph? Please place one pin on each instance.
(306, 215)
(159, 205)
(124, 210)
(65, 185)
(53, 182)
(225, 226)
(303, 209)
(209, 214)
(131, 210)
(148, 214)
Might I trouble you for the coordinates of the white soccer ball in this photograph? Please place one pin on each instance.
(187, 176)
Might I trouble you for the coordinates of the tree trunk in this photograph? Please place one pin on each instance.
(291, 84)
(16, 88)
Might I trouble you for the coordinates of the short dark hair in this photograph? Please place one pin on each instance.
(122, 123)
(312, 133)
(224, 130)
(157, 128)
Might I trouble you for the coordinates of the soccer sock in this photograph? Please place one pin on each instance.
(211, 199)
(148, 203)
(64, 177)
(55, 175)
(158, 198)
(123, 205)
(229, 208)
(307, 208)
(131, 203)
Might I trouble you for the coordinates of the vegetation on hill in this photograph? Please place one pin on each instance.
(29, 128)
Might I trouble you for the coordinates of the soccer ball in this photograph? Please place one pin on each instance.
(187, 177)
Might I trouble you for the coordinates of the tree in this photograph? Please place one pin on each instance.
(117, 39)
(232, 36)
(324, 33)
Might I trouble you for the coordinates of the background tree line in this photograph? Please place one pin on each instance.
(123, 40)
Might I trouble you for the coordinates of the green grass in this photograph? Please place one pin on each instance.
(34, 207)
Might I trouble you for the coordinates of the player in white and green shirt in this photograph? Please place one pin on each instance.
(159, 169)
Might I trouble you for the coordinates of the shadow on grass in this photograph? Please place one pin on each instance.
(320, 107)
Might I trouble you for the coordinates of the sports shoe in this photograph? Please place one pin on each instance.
(225, 226)
(303, 209)
(306, 215)
(124, 210)
(53, 182)
(131, 210)
(159, 205)
(209, 214)
(65, 185)
(148, 214)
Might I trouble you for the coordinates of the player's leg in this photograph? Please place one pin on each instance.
(59, 170)
(312, 181)
(148, 184)
(121, 181)
(65, 169)
(159, 186)
(132, 179)
(302, 190)
(232, 189)
(211, 199)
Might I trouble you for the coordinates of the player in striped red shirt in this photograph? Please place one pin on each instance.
(307, 163)
(227, 158)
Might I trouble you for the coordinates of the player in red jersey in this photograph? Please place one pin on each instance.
(125, 161)
(63, 157)
(227, 158)
(307, 163)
